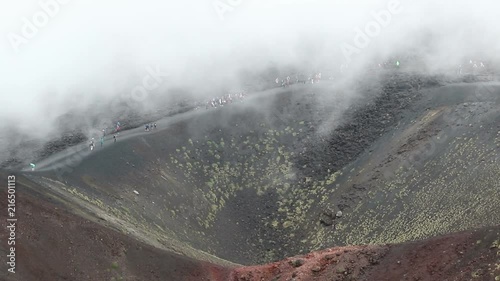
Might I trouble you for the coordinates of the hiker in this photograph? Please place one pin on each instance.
(114, 138)
(147, 127)
(154, 125)
(102, 141)
(92, 144)
(32, 167)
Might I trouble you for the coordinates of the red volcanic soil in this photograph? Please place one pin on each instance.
(473, 255)
(53, 244)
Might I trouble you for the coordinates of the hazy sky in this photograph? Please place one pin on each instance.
(100, 49)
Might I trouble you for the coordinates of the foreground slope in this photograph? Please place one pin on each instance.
(55, 244)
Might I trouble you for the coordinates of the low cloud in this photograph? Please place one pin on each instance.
(66, 56)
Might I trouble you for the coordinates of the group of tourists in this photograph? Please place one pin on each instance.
(472, 67)
(104, 133)
(225, 100)
(298, 79)
(149, 127)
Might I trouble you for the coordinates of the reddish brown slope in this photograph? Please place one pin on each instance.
(473, 255)
(53, 244)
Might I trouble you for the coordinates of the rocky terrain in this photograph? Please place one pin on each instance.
(389, 162)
